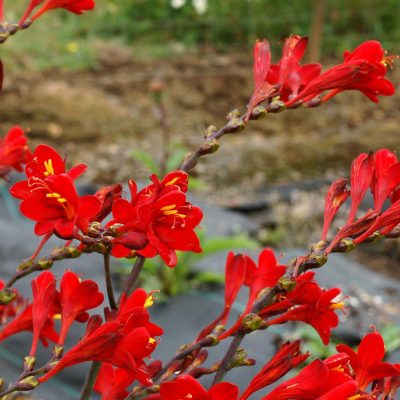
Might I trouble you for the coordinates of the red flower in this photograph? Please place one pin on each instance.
(313, 381)
(45, 163)
(386, 176)
(157, 220)
(265, 275)
(319, 312)
(112, 383)
(262, 88)
(14, 151)
(289, 74)
(287, 358)
(360, 180)
(336, 196)
(76, 298)
(123, 342)
(107, 195)
(186, 387)
(57, 208)
(74, 6)
(364, 69)
(367, 363)
(24, 322)
(235, 270)
(44, 294)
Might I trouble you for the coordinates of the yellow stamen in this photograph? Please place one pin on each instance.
(357, 396)
(53, 195)
(57, 316)
(62, 200)
(171, 212)
(48, 165)
(149, 301)
(335, 306)
(171, 182)
(168, 208)
(152, 340)
(181, 215)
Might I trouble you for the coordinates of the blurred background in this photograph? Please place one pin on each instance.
(112, 87)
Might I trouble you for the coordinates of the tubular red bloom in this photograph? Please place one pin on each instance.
(265, 275)
(107, 195)
(367, 363)
(364, 69)
(124, 341)
(157, 220)
(112, 383)
(386, 176)
(360, 180)
(313, 381)
(57, 208)
(45, 163)
(14, 151)
(186, 387)
(74, 6)
(320, 313)
(44, 294)
(336, 196)
(24, 322)
(235, 270)
(289, 74)
(262, 88)
(76, 298)
(287, 358)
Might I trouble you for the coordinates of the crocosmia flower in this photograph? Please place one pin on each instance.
(157, 220)
(74, 6)
(14, 151)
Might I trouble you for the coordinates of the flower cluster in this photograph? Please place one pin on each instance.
(291, 83)
(157, 220)
(343, 376)
(378, 172)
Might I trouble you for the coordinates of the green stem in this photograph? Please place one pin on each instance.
(90, 380)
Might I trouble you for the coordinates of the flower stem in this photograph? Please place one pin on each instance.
(107, 274)
(134, 275)
(90, 380)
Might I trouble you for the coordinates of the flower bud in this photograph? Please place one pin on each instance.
(27, 383)
(210, 131)
(29, 363)
(287, 284)
(45, 263)
(74, 252)
(24, 265)
(251, 322)
(7, 295)
(233, 114)
(258, 112)
(234, 125)
(276, 106)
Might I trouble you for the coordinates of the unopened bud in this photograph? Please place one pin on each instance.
(239, 359)
(1, 383)
(276, 106)
(58, 351)
(251, 322)
(316, 260)
(7, 295)
(320, 246)
(287, 284)
(45, 263)
(258, 112)
(29, 363)
(210, 131)
(25, 265)
(210, 340)
(28, 383)
(233, 114)
(234, 125)
(74, 252)
(88, 240)
(315, 102)
(347, 245)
